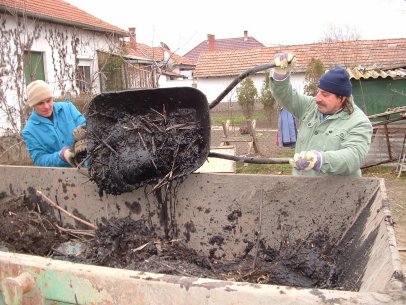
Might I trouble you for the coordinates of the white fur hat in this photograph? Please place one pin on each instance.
(37, 91)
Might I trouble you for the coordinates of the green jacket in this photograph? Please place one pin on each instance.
(342, 139)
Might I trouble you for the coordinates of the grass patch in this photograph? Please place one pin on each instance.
(286, 154)
(218, 118)
(263, 169)
(378, 171)
(267, 169)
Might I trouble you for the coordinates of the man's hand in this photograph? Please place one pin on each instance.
(284, 63)
(67, 155)
(307, 160)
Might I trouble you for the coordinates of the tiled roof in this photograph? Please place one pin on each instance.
(155, 53)
(231, 63)
(239, 43)
(58, 11)
(382, 54)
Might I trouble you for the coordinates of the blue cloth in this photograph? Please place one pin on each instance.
(45, 138)
(287, 131)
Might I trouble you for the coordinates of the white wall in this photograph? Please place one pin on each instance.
(163, 82)
(212, 87)
(187, 73)
(50, 39)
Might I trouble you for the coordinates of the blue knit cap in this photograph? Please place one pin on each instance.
(336, 81)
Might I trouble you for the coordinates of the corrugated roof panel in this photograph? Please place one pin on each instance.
(362, 73)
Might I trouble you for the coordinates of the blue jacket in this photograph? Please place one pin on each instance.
(287, 132)
(44, 138)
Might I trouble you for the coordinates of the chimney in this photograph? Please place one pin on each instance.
(245, 35)
(133, 39)
(212, 42)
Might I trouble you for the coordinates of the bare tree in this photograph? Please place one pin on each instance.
(345, 33)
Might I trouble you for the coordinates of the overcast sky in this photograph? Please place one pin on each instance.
(184, 24)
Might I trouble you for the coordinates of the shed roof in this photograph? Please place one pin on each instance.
(361, 73)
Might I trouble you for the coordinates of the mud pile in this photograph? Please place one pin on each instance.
(129, 244)
(28, 229)
(142, 149)
(145, 137)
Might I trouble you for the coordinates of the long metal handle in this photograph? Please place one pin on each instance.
(254, 160)
(239, 79)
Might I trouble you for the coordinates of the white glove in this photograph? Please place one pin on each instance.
(67, 155)
(284, 63)
(307, 160)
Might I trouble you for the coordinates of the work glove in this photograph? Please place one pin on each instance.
(67, 155)
(307, 160)
(80, 143)
(284, 63)
(79, 132)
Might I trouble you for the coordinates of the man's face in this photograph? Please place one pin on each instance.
(329, 103)
(45, 107)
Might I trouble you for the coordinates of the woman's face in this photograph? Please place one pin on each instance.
(45, 107)
(329, 103)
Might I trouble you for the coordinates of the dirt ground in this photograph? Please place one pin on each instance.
(396, 191)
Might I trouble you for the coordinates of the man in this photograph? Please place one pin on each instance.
(334, 134)
(48, 132)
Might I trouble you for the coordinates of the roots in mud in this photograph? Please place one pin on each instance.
(28, 229)
(132, 150)
(146, 136)
(131, 244)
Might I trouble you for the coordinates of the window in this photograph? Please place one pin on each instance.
(33, 66)
(83, 80)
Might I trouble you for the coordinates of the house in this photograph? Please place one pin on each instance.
(54, 41)
(218, 45)
(374, 65)
(172, 70)
(77, 53)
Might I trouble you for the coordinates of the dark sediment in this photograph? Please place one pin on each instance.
(129, 244)
(145, 137)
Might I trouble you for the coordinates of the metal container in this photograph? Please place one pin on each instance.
(351, 210)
